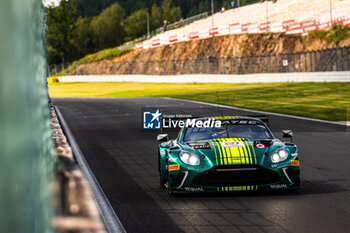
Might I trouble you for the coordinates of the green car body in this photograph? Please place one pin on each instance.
(228, 164)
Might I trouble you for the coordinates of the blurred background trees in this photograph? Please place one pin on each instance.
(80, 27)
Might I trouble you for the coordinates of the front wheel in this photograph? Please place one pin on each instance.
(169, 191)
(161, 181)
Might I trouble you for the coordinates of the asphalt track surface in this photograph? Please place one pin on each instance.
(123, 158)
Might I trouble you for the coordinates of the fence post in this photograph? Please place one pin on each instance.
(342, 59)
(347, 58)
(276, 68)
(336, 59)
(311, 64)
(315, 61)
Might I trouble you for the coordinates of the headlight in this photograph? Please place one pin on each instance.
(279, 155)
(189, 158)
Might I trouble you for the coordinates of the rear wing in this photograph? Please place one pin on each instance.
(263, 117)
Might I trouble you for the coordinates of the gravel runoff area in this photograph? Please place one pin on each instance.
(76, 209)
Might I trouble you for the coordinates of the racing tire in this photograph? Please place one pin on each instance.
(169, 191)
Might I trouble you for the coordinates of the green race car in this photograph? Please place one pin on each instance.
(222, 154)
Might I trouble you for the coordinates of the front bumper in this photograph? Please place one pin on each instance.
(234, 178)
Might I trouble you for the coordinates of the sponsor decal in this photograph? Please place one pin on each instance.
(278, 186)
(232, 144)
(151, 120)
(174, 167)
(294, 163)
(193, 189)
(259, 145)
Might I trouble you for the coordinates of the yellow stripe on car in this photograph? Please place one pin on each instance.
(220, 153)
(245, 152)
(216, 156)
(252, 146)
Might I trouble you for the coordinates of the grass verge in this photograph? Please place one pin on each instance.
(98, 56)
(328, 101)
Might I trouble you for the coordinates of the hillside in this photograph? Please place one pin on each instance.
(221, 47)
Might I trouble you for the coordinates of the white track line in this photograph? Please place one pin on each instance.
(261, 112)
(110, 218)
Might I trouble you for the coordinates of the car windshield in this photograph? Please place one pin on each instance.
(251, 131)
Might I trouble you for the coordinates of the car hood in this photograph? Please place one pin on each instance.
(233, 151)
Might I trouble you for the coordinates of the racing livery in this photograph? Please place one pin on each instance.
(240, 154)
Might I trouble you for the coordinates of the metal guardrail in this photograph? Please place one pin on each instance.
(183, 22)
(334, 59)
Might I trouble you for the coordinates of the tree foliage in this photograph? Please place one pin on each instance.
(108, 28)
(60, 29)
(80, 27)
(136, 24)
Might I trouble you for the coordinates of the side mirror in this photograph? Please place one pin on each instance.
(288, 134)
(162, 137)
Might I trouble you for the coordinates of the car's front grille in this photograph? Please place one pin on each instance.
(237, 175)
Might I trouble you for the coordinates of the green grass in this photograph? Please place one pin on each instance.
(328, 101)
(104, 54)
(99, 56)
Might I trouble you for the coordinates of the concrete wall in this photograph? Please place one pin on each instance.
(343, 76)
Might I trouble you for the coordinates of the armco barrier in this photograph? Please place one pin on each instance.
(285, 24)
(213, 31)
(244, 27)
(139, 45)
(295, 28)
(276, 27)
(183, 37)
(173, 38)
(290, 26)
(235, 28)
(345, 22)
(224, 30)
(253, 28)
(308, 23)
(156, 42)
(264, 26)
(194, 35)
(164, 41)
(324, 26)
(309, 29)
(204, 33)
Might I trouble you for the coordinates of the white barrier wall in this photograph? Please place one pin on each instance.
(343, 76)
